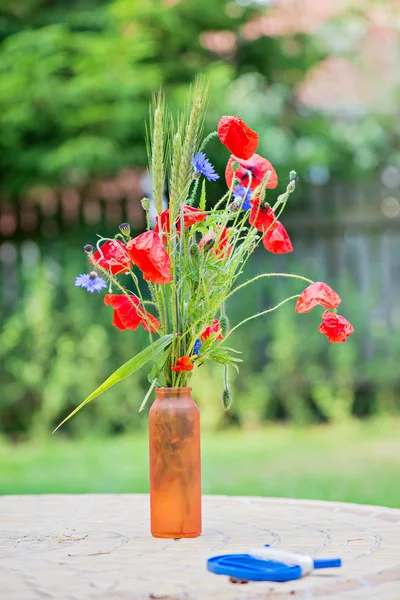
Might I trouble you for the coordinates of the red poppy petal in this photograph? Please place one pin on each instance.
(261, 218)
(276, 239)
(336, 328)
(113, 257)
(212, 329)
(150, 323)
(164, 220)
(258, 165)
(148, 253)
(125, 311)
(183, 364)
(237, 136)
(317, 294)
(191, 216)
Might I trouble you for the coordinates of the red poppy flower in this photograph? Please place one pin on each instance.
(317, 294)
(184, 363)
(221, 248)
(261, 218)
(148, 253)
(129, 314)
(212, 329)
(277, 240)
(113, 257)
(335, 327)
(258, 167)
(191, 216)
(237, 137)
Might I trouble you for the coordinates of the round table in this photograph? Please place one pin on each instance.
(98, 547)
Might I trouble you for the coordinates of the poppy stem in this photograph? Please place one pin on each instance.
(207, 139)
(260, 314)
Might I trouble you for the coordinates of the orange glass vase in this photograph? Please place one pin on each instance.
(175, 467)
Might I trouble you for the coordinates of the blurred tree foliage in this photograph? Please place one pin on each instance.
(76, 77)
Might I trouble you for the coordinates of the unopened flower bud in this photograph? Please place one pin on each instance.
(235, 166)
(208, 245)
(234, 206)
(194, 252)
(145, 202)
(88, 248)
(125, 229)
(224, 325)
(291, 186)
(226, 398)
(293, 176)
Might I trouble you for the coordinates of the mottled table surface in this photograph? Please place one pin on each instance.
(99, 547)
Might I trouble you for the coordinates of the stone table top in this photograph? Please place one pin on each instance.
(85, 547)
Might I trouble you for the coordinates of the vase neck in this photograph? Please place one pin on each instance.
(172, 392)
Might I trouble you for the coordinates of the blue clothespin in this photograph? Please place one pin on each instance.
(268, 564)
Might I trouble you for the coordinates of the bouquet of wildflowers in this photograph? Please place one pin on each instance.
(193, 257)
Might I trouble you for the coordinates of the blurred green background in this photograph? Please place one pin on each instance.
(321, 85)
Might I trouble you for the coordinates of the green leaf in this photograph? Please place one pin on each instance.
(151, 388)
(203, 199)
(157, 368)
(136, 363)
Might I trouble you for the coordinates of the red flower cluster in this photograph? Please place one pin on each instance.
(335, 327)
(148, 253)
(190, 217)
(257, 165)
(275, 238)
(237, 137)
(212, 330)
(112, 257)
(184, 363)
(129, 314)
(222, 248)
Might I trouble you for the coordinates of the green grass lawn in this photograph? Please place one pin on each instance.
(357, 462)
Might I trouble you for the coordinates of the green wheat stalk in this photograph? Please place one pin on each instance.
(155, 142)
(192, 134)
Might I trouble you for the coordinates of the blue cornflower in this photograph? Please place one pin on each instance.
(241, 193)
(202, 166)
(91, 282)
(197, 346)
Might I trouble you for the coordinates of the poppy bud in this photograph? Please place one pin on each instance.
(293, 176)
(224, 325)
(88, 248)
(235, 166)
(194, 252)
(234, 206)
(125, 229)
(145, 202)
(208, 245)
(226, 398)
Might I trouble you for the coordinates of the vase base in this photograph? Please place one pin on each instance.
(175, 536)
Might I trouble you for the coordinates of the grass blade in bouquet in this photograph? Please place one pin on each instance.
(132, 365)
